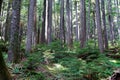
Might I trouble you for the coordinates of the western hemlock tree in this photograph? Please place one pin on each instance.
(98, 25)
(43, 23)
(82, 24)
(68, 24)
(14, 48)
(104, 24)
(49, 25)
(62, 32)
(30, 26)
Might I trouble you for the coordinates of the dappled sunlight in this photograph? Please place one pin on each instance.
(114, 61)
(56, 68)
(48, 54)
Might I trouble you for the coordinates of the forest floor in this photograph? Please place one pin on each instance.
(56, 63)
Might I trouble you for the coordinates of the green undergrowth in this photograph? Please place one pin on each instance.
(72, 64)
(57, 62)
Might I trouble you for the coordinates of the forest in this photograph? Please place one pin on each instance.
(59, 39)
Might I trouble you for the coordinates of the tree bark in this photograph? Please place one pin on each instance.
(62, 37)
(34, 33)
(38, 31)
(76, 22)
(88, 20)
(14, 48)
(30, 26)
(49, 26)
(99, 29)
(83, 24)
(93, 35)
(43, 24)
(7, 24)
(0, 14)
(104, 24)
(110, 19)
(68, 24)
(118, 11)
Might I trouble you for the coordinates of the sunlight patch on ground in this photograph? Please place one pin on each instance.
(56, 67)
(114, 61)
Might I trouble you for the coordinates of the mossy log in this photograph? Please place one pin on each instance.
(4, 73)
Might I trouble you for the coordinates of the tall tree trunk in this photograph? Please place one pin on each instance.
(43, 23)
(14, 48)
(88, 20)
(49, 26)
(20, 33)
(38, 31)
(99, 29)
(34, 33)
(110, 19)
(62, 20)
(104, 24)
(0, 15)
(7, 24)
(76, 22)
(118, 14)
(54, 21)
(94, 28)
(30, 26)
(71, 17)
(2, 22)
(68, 24)
(83, 24)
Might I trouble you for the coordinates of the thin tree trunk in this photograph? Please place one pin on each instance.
(94, 28)
(71, 17)
(34, 36)
(43, 24)
(49, 26)
(7, 25)
(62, 20)
(118, 11)
(76, 22)
(104, 24)
(0, 14)
(88, 20)
(2, 22)
(38, 31)
(110, 19)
